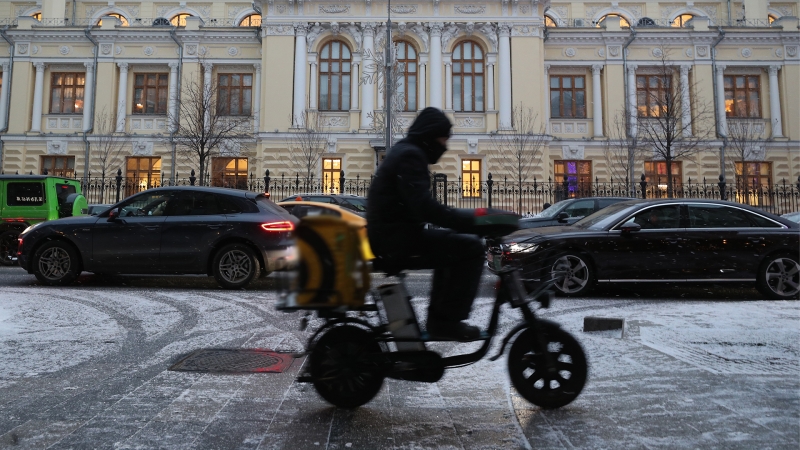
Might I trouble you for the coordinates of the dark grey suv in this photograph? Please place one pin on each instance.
(567, 212)
(231, 234)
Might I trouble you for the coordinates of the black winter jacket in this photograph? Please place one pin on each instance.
(399, 200)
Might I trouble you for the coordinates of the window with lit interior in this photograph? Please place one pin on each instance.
(471, 178)
(331, 174)
(66, 93)
(150, 93)
(742, 95)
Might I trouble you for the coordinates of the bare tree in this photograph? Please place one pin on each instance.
(622, 151)
(518, 152)
(108, 147)
(307, 144)
(374, 72)
(205, 126)
(661, 125)
(745, 141)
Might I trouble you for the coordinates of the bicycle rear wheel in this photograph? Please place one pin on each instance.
(346, 366)
(547, 387)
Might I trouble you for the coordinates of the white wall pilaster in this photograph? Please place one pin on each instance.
(721, 117)
(421, 86)
(686, 104)
(632, 111)
(504, 60)
(597, 102)
(4, 106)
(300, 57)
(448, 86)
(256, 101)
(775, 102)
(436, 63)
(38, 92)
(367, 89)
(122, 96)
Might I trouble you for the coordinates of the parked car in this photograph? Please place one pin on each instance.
(97, 209)
(352, 202)
(661, 241)
(303, 209)
(231, 234)
(29, 199)
(567, 212)
(793, 216)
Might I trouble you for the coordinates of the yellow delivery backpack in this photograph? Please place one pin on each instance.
(332, 271)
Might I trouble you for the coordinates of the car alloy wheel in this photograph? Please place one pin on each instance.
(780, 278)
(56, 264)
(573, 275)
(235, 266)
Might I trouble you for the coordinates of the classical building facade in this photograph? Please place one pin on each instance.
(73, 72)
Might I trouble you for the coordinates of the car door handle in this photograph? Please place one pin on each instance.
(673, 240)
(755, 239)
(152, 227)
(215, 227)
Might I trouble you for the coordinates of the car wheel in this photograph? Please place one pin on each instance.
(8, 247)
(779, 277)
(573, 274)
(235, 265)
(56, 264)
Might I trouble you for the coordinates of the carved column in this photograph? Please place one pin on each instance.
(312, 91)
(686, 102)
(38, 90)
(547, 111)
(421, 86)
(721, 115)
(448, 86)
(354, 85)
(632, 112)
(775, 102)
(597, 102)
(504, 60)
(490, 86)
(88, 93)
(207, 69)
(173, 96)
(4, 95)
(122, 97)
(256, 101)
(436, 64)
(367, 89)
(300, 56)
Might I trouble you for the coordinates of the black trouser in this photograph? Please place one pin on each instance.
(457, 260)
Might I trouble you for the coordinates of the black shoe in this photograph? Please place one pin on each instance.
(453, 331)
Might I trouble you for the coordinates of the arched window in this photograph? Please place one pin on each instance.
(334, 77)
(253, 20)
(623, 22)
(468, 75)
(118, 16)
(37, 16)
(772, 18)
(681, 20)
(407, 56)
(161, 22)
(549, 22)
(179, 20)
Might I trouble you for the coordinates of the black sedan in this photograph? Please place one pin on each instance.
(231, 234)
(661, 241)
(567, 212)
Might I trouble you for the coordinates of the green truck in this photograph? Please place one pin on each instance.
(26, 200)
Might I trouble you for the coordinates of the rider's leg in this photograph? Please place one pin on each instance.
(458, 261)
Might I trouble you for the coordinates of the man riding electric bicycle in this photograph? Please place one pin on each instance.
(399, 206)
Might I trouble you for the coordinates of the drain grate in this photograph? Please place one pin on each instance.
(240, 360)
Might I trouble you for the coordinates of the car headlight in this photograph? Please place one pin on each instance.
(521, 247)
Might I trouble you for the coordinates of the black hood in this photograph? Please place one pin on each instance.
(429, 125)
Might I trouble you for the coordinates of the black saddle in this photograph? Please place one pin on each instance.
(393, 266)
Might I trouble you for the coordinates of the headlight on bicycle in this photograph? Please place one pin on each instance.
(521, 247)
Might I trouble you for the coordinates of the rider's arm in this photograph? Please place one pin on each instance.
(414, 187)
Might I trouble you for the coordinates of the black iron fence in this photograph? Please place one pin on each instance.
(524, 198)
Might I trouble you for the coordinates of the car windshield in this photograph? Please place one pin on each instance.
(358, 204)
(554, 209)
(602, 218)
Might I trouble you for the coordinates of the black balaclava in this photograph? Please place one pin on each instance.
(430, 124)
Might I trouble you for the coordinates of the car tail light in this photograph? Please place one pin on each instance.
(19, 247)
(283, 225)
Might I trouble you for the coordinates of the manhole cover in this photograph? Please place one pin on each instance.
(241, 360)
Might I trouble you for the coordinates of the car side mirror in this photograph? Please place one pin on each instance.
(113, 215)
(630, 227)
(562, 217)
